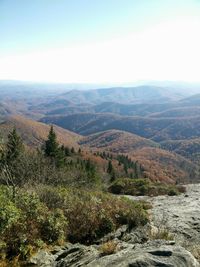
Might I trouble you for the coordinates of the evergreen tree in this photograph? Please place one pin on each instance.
(111, 171)
(125, 168)
(110, 167)
(136, 170)
(14, 146)
(67, 151)
(112, 176)
(72, 150)
(51, 145)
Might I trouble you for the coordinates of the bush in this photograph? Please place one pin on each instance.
(137, 187)
(130, 186)
(51, 216)
(109, 248)
(54, 227)
(27, 223)
(91, 214)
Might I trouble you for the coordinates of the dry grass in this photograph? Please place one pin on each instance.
(194, 249)
(161, 234)
(109, 248)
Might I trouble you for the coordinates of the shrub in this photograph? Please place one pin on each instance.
(54, 227)
(27, 224)
(130, 186)
(92, 214)
(138, 187)
(51, 216)
(109, 248)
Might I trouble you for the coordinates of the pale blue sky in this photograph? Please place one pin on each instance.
(48, 30)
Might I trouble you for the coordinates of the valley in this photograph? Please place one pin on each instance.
(157, 126)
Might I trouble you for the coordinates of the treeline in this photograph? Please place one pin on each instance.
(51, 163)
(130, 168)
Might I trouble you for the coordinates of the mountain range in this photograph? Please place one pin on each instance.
(156, 126)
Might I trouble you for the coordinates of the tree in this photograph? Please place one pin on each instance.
(53, 150)
(110, 167)
(14, 146)
(111, 171)
(9, 158)
(72, 150)
(51, 145)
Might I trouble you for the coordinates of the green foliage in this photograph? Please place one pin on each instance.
(28, 223)
(9, 213)
(52, 149)
(51, 144)
(91, 215)
(49, 215)
(137, 187)
(54, 227)
(14, 146)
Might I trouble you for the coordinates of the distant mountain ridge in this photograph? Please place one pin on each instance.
(158, 126)
(140, 94)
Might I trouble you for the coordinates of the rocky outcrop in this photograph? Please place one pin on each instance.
(180, 215)
(154, 253)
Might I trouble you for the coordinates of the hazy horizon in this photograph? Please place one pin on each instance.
(103, 42)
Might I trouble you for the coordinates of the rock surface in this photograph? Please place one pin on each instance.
(154, 253)
(178, 214)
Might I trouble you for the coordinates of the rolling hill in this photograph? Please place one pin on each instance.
(187, 148)
(193, 100)
(157, 129)
(158, 164)
(140, 94)
(116, 141)
(179, 112)
(162, 165)
(155, 126)
(34, 133)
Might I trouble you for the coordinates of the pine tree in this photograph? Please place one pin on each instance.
(112, 176)
(125, 168)
(53, 150)
(110, 167)
(67, 151)
(111, 171)
(72, 150)
(51, 145)
(14, 146)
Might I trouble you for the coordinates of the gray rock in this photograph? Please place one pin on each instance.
(148, 256)
(178, 214)
(155, 253)
(43, 259)
(77, 255)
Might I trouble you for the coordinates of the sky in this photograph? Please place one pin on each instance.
(100, 41)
